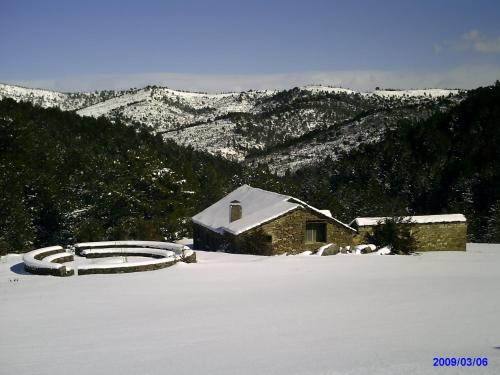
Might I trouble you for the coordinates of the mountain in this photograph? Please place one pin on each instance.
(447, 163)
(283, 129)
(53, 99)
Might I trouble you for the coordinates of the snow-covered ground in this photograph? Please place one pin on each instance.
(239, 314)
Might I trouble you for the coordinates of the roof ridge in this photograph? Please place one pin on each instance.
(268, 191)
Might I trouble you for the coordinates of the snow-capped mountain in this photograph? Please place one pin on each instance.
(285, 129)
(48, 99)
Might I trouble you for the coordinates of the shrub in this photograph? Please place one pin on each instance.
(92, 230)
(396, 233)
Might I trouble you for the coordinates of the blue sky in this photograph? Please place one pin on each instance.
(225, 45)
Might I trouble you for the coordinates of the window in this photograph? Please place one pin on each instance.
(268, 238)
(315, 232)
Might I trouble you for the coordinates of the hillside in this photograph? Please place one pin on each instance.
(66, 178)
(400, 153)
(447, 163)
(284, 129)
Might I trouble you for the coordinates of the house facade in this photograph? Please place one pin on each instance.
(255, 221)
(431, 232)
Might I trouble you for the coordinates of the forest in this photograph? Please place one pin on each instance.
(449, 163)
(66, 178)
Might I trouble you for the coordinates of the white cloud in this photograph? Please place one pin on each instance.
(473, 40)
(361, 80)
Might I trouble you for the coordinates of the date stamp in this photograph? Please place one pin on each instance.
(460, 361)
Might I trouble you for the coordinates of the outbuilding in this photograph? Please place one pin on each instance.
(431, 232)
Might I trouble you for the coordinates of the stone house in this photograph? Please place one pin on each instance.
(431, 232)
(249, 220)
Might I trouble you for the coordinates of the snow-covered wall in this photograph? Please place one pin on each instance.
(42, 261)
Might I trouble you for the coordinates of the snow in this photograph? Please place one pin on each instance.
(42, 250)
(315, 89)
(107, 106)
(41, 264)
(129, 250)
(425, 219)
(53, 257)
(384, 250)
(165, 108)
(45, 97)
(359, 248)
(30, 261)
(304, 253)
(418, 93)
(138, 244)
(433, 93)
(326, 212)
(323, 248)
(369, 246)
(246, 314)
(258, 207)
(187, 242)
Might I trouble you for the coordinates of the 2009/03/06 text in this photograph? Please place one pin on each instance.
(460, 361)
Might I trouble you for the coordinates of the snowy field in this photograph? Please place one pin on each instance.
(238, 314)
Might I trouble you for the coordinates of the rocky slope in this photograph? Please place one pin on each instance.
(286, 129)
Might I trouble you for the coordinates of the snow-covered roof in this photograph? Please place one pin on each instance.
(258, 206)
(425, 219)
(326, 212)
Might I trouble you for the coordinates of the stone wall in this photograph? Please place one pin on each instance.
(434, 236)
(205, 239)
(47, 253)
(125, 268)
(189, 258)
(287, 231)
(62, 271)
(65, 259)
(122, 254)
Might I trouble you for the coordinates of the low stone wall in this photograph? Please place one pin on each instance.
(48, 261)
(61, 272)
(125, 268)
(79, 247)
(46, 254)
(120, 254)
(189, 258)
(65, 259)
(34, 262)
(162, 259)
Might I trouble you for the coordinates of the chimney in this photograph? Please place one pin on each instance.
(235, 211)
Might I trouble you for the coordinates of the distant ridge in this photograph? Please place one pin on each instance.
(285, 129)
